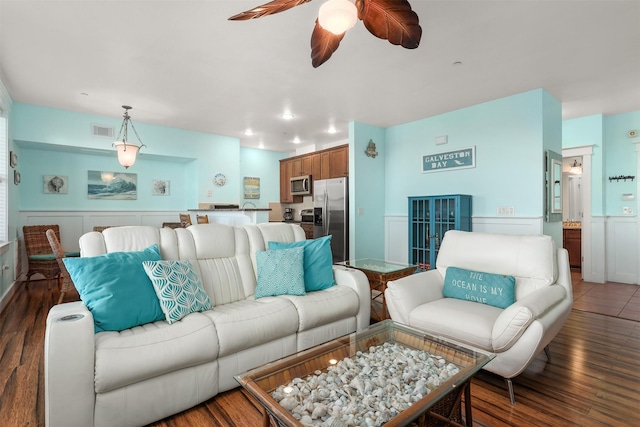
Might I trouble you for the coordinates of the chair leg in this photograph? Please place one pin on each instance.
(61, 287)
(547, 352)
(512, 396)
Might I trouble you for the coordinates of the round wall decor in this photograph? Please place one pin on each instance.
(219, 179)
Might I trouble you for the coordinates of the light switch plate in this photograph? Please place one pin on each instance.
(627, 210)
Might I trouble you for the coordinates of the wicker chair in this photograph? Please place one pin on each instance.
(185, 220)
(202, 219)
(64, 280)
(172, 224)
(41, 259)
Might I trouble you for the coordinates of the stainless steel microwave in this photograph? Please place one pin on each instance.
(301, 185)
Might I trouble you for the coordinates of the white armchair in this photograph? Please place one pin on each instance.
(517, 333)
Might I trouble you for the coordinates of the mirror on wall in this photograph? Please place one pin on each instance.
(553, 187)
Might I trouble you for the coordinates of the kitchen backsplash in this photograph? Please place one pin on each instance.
(277, 209)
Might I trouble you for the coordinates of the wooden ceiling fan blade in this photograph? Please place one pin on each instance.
(323, 44)
(275, 6)
(392, 20)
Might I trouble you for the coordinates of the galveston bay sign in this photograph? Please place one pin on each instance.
(461, 158)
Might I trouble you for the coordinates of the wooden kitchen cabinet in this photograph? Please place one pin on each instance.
(325, 164)
(339, 162)
(286, 172)
(302, 166)
(316, 166)
(572, 242)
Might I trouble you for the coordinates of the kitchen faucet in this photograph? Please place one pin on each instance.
(249, 203)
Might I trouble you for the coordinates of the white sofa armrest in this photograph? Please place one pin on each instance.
(404, 295)
(513, 321)
(69, 351)
(356, 280)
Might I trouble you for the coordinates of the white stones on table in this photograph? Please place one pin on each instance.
(367, 389)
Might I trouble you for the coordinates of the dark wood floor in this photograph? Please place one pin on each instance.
(593, 378)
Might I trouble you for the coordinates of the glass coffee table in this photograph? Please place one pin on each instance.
(299, 374)
(379, 272)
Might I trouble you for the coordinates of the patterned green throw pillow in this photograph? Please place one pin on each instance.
(280, 272)
(178, 288)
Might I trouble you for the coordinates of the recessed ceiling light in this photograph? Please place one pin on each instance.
(287, 116)
(84, 94)
(296, 140)
(457, 63)
(248, 132)
(332, 129)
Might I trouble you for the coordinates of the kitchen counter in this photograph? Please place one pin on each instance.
(231, 210)
(571, 225)
(232, 216)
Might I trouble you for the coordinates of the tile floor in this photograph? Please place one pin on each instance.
(612, 299)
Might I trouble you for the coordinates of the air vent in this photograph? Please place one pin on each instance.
(104, 131)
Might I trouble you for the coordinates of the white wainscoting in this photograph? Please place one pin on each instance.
(397, 231)
(612, 256)
(508, 225)
(594, 257)
(396, 238)
(622, 249)
(74, 224)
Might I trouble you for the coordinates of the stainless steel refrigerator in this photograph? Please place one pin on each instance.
(331, 214)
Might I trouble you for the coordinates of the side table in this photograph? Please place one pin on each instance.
(379, 272)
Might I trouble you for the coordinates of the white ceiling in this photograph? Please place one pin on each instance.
(181, 63)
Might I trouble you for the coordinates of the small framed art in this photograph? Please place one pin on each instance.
(160, 187)
(55, 184)
(13, 159)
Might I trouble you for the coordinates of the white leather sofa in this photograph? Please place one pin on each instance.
(515, 334)
(146, 373)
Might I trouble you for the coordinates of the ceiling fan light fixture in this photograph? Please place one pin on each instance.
(337, 16)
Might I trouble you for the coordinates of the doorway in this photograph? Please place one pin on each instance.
(583, 156)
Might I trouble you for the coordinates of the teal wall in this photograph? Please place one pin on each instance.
(260, 163)
(35, 163)
(589, 130)
(621, 159)
(508, 134)
(188, 159)
(367, 191)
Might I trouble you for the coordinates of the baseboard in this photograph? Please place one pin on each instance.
(8, 296)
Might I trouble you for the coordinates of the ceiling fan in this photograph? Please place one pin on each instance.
(392, 20)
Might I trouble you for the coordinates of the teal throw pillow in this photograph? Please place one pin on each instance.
(318, 261)
(280, 272)
(178, 288)
(116, 289)
(492, 289)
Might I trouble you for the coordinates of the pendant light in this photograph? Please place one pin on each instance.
(127, 150)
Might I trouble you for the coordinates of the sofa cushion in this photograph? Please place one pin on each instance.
(318, 261)
(249, 323)
(280, 272)
(323, 307)
(178, 288)
(443, 318)
(494, 289)
(136, 354)
(116, 289)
